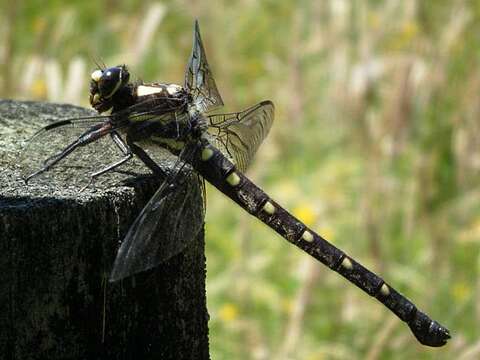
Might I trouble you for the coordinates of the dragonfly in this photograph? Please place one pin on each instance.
(218, 147)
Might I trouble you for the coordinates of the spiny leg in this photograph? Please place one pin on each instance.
(87, 137)
(123, 148)
(146, 159)
(64, 153)
(186, 155)
(58, 124)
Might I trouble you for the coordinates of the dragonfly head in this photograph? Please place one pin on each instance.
(105, 84)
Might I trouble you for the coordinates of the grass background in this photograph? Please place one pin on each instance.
(375, 144)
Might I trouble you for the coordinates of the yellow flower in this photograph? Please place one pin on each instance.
(470, 233)
(39, 24)
(305, 213)
(228, 312)
(287, 306)
(39, 89)
(327, 233)
(316, 356)
(373, 20)
(476, 228)
(409, 31)
(404, 37)
(461, 291)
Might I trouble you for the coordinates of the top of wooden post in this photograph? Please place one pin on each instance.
(57, 247)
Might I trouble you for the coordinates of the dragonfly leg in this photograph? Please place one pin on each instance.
(123, 148)
(89, 136)
(53, 160)
(146, 159)
(75, 143)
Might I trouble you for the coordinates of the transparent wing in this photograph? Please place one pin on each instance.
(239, 135)
(45, 147)
(199, 79)
(164, 227)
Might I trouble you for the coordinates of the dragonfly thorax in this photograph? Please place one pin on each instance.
(158, 89)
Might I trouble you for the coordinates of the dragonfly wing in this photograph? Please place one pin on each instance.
(166, 225)
(163, 229)
(199, 79)
(239, 135)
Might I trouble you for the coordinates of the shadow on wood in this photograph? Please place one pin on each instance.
(57, 247)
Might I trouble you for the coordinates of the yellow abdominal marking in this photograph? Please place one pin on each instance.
(141, 118)
(269, 208)
(207, 153)
(233, 179)
(385, 290)
(347, 264)
(170, 143)
(307, 236)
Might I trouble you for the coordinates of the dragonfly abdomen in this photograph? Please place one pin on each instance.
(221, 173)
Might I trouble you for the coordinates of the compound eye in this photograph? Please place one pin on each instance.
(110, 81)
(112, 74)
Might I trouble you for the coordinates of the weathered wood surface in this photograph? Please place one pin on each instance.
(57, 246)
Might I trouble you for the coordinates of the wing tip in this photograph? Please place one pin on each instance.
(113, 279)
(196, 29)
(116, 275)
(267, 102)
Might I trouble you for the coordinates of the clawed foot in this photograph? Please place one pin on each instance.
(92, 179)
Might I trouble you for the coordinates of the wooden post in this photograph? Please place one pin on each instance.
(57, 248)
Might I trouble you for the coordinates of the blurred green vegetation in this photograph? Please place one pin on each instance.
(375, 144)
